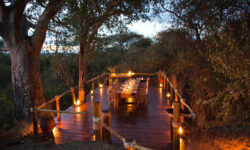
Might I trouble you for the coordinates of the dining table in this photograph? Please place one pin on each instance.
(129, 88)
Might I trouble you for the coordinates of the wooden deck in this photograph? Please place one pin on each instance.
(148, 123)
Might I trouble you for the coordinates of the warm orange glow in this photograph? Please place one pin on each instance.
(91, 92)
(182, 144)
(130, 73)
(130, 100)
(113, 74)
(78, 109)
(100, 85)
(130, 108)
(160, 95)
(54, 131)
(160, 85)
(101, 91)
(180, 130)
(94, 139)
(77, 102)
(168, 95)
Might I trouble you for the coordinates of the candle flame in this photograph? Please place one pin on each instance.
(78, 109)
(100, 85)
(180, 130)
(77, 102)
(160, 85)
(168, 95)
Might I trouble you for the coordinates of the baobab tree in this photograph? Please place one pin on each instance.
(25, 50)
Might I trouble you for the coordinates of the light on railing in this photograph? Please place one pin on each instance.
(100, 85)
(91, 92)
(113, 74)
(100, 91)
(78, 109)
(130, 73)
(77, 102)
(168, 95)
(54, 131)
(160, 85)
(180, 130)
(130, 100)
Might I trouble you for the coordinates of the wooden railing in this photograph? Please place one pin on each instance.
(56, 99)
(175, 97)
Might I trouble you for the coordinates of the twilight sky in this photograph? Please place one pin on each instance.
(148, 28)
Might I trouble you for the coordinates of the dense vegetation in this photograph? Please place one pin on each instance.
(212, 61)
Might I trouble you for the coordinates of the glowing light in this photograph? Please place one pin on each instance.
(130, 100)
(130, 73)
(182, 144)
(113, 74)
(94, 138)
(100, 85)
(180, 130)
(101, 91)
(91, 92)
(78, 109)
(54, 131)
(168, 95)
(77, 102)
(160, 85)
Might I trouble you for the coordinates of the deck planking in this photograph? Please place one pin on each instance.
(148, 123)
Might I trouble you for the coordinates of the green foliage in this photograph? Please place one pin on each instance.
(217, 65)
(229, 51)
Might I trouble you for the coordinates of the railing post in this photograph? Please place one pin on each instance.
(106, 118)
(172, 94)
(58, 107)
(34, 117)
(93, 87)
(110, 80)
(73, 96)
(98, 81)
(176, 96)
(164, 84)
(96, 117)
(168, 94)
(176, 125)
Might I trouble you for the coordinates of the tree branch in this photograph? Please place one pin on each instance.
(190, 23)
(42, 25)
(102, 19)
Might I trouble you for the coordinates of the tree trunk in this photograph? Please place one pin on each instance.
(82, 71)
(26, 79)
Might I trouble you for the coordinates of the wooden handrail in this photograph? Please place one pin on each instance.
(103, 74)
(181, 99)
(60, 111)
(68, 91)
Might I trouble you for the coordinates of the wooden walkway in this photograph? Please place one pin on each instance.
(148, 123)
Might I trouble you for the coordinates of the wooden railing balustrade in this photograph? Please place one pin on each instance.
(101, 120)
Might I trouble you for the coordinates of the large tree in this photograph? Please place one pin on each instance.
(84, 19)
(25, 50)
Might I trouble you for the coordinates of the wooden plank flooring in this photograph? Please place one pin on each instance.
(148, 124)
